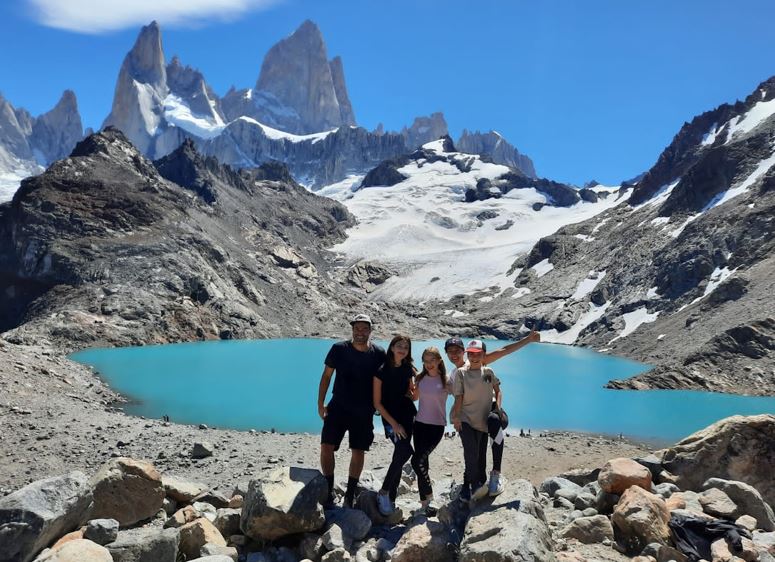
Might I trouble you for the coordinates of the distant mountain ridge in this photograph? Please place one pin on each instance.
(299, 112)
(28, 144)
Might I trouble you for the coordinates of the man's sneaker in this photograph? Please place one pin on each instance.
(480, 491)
(495, 486)
(384, 505)
(431, 510)
(465, 493)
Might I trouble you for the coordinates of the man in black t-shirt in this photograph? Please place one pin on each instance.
(351, 408)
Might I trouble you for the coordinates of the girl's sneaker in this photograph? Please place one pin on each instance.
(480, 491)
(495, 486)
(384, 505)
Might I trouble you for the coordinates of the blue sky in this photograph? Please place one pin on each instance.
(592, 89)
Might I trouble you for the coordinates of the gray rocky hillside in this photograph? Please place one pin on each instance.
(492, 144)
(680, 275)
(107, 247)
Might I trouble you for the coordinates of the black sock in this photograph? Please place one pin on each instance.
(352, 485)
(330, 480)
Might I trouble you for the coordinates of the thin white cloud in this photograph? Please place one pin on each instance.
(99, 16)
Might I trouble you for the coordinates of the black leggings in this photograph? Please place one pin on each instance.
(474, 454)
(495, 424)
(402, 450)
(426, 438)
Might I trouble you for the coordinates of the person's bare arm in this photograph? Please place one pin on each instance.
(498, 395)
(325, 381)
(492, 356)
(455, 414)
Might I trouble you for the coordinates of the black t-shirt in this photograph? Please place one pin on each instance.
(355, 371)
(395, 385)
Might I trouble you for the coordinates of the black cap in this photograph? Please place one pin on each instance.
(455, 341)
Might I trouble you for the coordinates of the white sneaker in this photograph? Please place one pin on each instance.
(495, 486)
(479, 492)
(384, 504)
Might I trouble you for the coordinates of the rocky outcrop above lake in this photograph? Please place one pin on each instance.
(493, 145)
(629, 507)
(678, 276)
(108, 247)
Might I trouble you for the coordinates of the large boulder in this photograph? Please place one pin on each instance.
(619, 474)
(33, 517)
(127, 490)
(640, 518)
(510, 526)
(738, 448)
(748, 500)
(427, 541)
(194, 535)
(553, 484)
(353, 522)
(181, 490)
(717, 503)
(145, 545)
(283, 502)
(589, 530)
(79, 550)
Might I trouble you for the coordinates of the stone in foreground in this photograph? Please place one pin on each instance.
(428, 541)
(145, 545)
(79, 550)
(34, 516)
(284, 502)
(589, 530)
(640, 518)
(127, 490)
(619, 474)
(510, 526)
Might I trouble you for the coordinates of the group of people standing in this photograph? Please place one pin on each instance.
(369, 378)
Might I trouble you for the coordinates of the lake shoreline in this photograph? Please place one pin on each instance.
(57, 416)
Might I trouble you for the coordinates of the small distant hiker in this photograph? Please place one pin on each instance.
(393, 399)
(351, 409)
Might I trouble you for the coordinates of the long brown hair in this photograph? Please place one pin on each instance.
(406, 360)
(442, 368)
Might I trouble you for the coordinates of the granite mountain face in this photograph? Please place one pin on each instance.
(298, 113)
(28, 144)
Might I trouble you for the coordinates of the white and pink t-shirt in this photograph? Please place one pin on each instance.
(433, 401)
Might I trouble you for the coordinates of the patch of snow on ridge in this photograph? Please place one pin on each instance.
(634, 319)
(660, 196)
(758, 113)
(177, 113)
(763, 167)
(424, 230)
(277, 134)
(521, 292)
(543, 267)
(588, 285)
(570, 335)
(16, 170)
(710, 136)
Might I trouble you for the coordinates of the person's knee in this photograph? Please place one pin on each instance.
(493, 424)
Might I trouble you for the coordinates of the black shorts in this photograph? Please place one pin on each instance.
(359, 425)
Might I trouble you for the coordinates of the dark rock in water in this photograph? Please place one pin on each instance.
(38, 514)
(385, 174)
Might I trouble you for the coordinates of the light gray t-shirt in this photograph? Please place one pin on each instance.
(433, 401)
(477, 387)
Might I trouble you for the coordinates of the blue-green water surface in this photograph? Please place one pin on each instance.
(265, 384)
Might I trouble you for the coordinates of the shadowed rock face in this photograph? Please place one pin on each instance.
(123, 255)
(497, 148)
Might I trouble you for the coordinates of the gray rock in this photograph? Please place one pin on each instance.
(585, 501)
(562, 503)
(311, 546)
(78, 550)
(589, 530)
(715, 502)
(554, 483)
(335, 538)
(201, 450)
(218, 550)
(101, 531)
(492, 144)
(510, 526)
(338, 555)
(748, 500)
(589, 512)
(426, 541)
(181, 490)
(567, 493)
(227, 521)
(666, 489)
(354, 522)
(145, 545)
(34, 516)
(664, 553)
(285, 501)
(126, 490)
(214, 558)
(605, 502)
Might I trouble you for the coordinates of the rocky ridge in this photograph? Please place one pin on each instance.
(679, 277)
(627, 508)
(107, 247)
(493, 145)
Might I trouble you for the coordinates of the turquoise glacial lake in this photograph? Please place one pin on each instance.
(264, 384)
